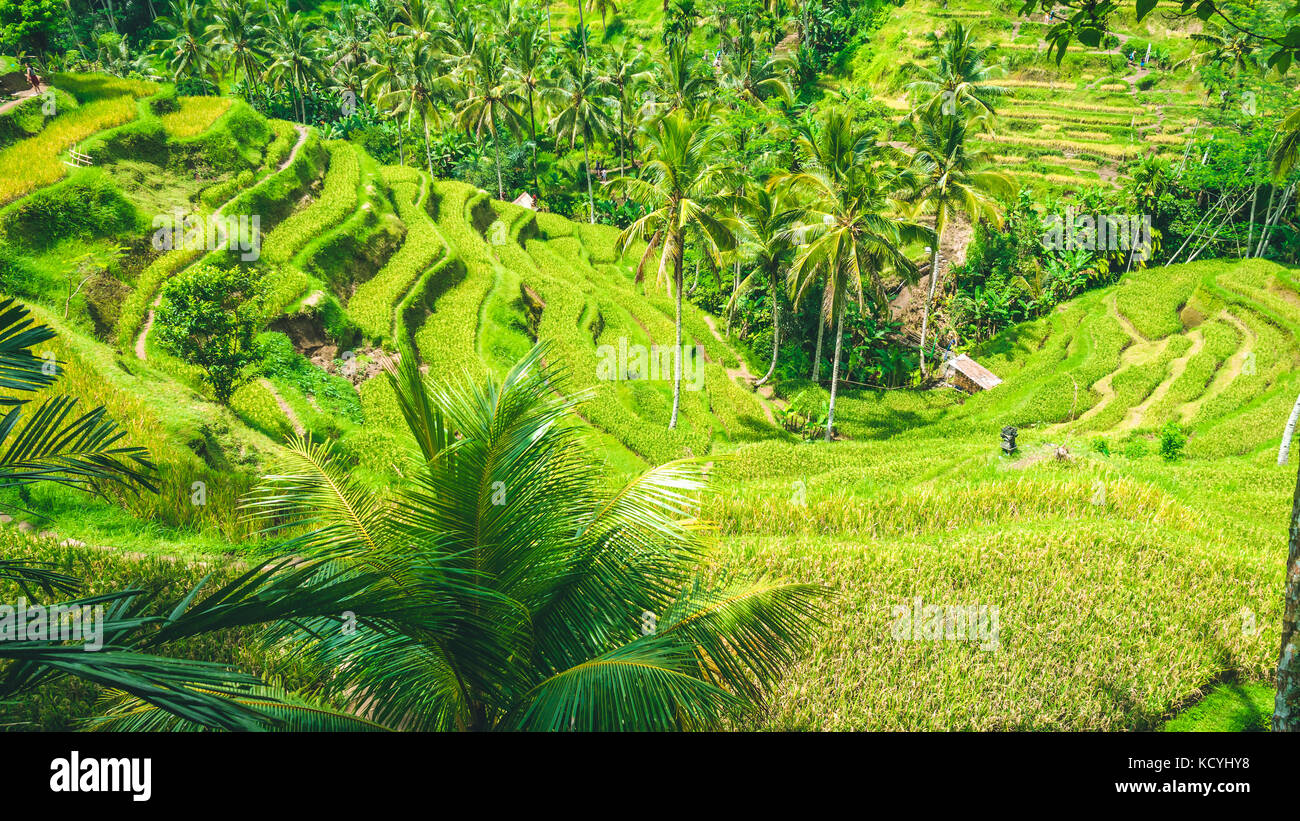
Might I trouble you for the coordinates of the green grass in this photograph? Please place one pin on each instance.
(1120, 580)
(1228, 708)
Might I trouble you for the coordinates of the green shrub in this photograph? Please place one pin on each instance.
(1172, 441)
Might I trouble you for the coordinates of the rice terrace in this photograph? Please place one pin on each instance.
(744, 365)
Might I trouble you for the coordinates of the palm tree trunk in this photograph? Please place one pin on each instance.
(934, 280)
(1284, 450)
(1286, 706)
(496, 143)
(677, 355)
(835, 371)
(776, 332)
(591, 200)
(582, 27)
(817, 353)
(622, 162)
(428, 149)
(532, 124)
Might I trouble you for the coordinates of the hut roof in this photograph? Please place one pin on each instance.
(974, 371)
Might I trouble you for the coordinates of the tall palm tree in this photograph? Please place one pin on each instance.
(294, 53)
(948, 179)
(625, 69)
(853, 234)
(236, 30)
(761, 77)
(681, 81)
(409, 85)
(387, 67)
(186, 48)
(959, 75)
(604, 7)
(526, 68)
(536, 598)
(679, 187)
(583, 107)
(491, 103)
(767, 220)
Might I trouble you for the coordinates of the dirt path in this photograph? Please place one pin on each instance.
(298, 427)
(302, 138)
(909, 304)
(19, 97)
(745, 378)
(141, 350)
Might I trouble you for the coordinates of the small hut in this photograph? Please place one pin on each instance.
(525, 200)
(966, 374)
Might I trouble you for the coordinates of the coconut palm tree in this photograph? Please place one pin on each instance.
(761, 77)
(679, 187)
(186, 48)
(949, 179)
(409, 86)
(534, 597)
(1287, 151)
(766, 223)
(294, 54)
(583, 105)
(604, 7)
(959, 75)
(681, 81)
(491, 102)
(386, 72)
(852, 234)
(236, 30)
(625, 69)
(526, 68)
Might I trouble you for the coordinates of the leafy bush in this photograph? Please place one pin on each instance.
(207, 317)
(1172, 441)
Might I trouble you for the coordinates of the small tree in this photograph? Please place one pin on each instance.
(1172, 441)
(208, 317)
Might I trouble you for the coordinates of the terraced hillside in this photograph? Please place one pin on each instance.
(1126, 583)
(1063, 127)
(358, 263)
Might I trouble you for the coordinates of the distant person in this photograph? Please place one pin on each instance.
(33, 79)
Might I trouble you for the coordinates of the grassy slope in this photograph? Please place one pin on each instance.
(1062, 128)
(1121, 580)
